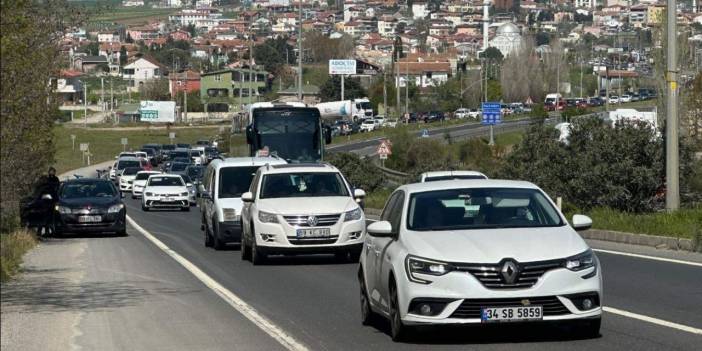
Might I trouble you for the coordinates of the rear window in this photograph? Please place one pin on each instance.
(124, 164)
(143, 176)
(177, 167)
(131, 170)
(234, 181)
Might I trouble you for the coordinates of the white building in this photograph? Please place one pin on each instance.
(590, 4)
(132, 3)
(139, 72)
(108, 38)
(420, 10)
(508, 39)
(386, 26)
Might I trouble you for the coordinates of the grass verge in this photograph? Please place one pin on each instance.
(680, 224)
(106, 144)
(12, 247)
(376, 199)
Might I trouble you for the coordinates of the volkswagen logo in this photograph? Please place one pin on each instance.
(312, 221)
(509, 272)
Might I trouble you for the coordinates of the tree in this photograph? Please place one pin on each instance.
(331, 89)
(122, 56)
(322, 48)
(493, 54)
(28, 60)
(93, 48)
(360, 173)
(156, 89)
(194, 102)
(129, 39)
(272, 54)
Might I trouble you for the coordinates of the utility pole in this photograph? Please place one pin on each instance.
(407, 89)
(672, 166)
(385, 92)
(185, 97)
(85, 105)
(558, 84)
(397, 77)
(112, 101)
(102, 93)
(251, 72)
(342, 87)
(299, 56)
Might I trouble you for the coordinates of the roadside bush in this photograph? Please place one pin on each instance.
(360, 173)
(620, 168)
(12, 247)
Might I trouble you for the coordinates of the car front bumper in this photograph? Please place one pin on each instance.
(160, 202)
(282, 238)
(464, 296)
(111, 223)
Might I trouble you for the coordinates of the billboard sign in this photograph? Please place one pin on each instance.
(342, 67)
(157, 111)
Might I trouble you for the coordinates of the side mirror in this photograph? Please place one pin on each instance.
(249, 135)
(380, 229)
(247, 197)
(121, 194)
(47, 197)
(359, 193)
(581, 222)
(205, 195)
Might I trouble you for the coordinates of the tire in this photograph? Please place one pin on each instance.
(133, 197)
(208, 237)
(588, 328)
(367, 314)
(144, 208)
(341, 256)
(257, 257)
(217, 243)
(398, 331)
(245, 251)
(355, 255)
(122, 232)
(185, 209)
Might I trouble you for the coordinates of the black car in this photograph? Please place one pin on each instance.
(90, 206)
(166, 150)
(211, 153)
(183, 146)
(195, 172)
(178, 167)
(434, 116)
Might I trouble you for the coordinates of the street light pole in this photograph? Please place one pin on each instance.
(299, 56)
(85, 105)
(672, 166)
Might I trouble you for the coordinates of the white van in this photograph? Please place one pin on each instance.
(220, 197)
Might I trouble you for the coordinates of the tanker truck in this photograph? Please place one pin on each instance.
(351, 110)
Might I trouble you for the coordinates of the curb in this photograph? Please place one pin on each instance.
(659, 242)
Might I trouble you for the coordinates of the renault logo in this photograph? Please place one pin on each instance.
(509, 272)
(312, 221)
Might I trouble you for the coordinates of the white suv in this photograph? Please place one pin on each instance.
(220, 197)
(478, 251)
(301, 208)
(165, 191)
(368, 125)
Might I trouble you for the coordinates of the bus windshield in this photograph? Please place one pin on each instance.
(293, 135)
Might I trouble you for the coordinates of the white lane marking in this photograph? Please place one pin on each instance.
(653, 320)
(670, 260)
(240, 305)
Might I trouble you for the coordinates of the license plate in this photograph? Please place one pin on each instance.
(314, 233)
(167, 199)
(89, 219)
(511, 314)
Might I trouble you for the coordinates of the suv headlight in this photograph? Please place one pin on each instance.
(353, 215)
(416, 265)
(184, 194)
(149, 194)
(266, 217)
(581, 261)
(115, 208)
(62, 209)
(229, 215)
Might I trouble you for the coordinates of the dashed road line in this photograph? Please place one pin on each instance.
(653, 320)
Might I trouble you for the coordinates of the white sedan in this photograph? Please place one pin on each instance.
(478, 252)
(140, 182)
(368, 125)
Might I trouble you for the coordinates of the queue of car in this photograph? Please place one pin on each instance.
(453, 248)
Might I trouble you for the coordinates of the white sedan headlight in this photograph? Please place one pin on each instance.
(415, 265)
(149, 194)
(115, 208)
(353, 215)
(581, 261)
(266, 217)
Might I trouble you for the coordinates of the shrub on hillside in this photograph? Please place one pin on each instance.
(359, 172)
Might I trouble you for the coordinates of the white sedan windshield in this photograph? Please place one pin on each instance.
(481, 208)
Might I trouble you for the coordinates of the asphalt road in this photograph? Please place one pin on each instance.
(315, 299)
(464, 131)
